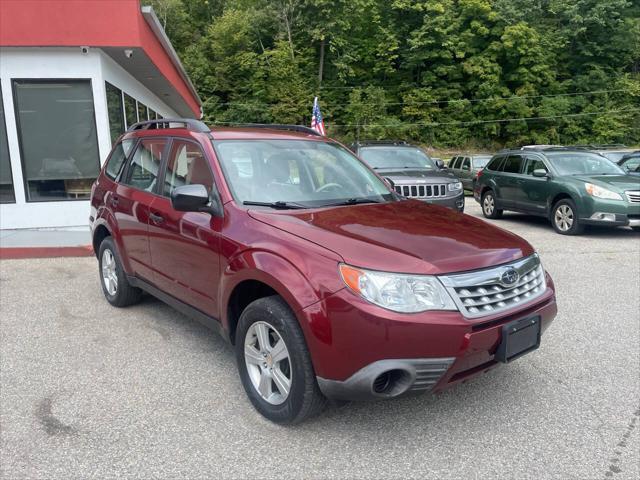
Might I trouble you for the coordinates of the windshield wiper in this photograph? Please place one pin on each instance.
(350, 201)
(277, 205)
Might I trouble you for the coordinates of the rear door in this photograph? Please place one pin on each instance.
(185, 245)
(534, 191)
(465, 173)
(131, 201)
(507, 181)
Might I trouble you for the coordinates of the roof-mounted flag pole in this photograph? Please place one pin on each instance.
(317, 123)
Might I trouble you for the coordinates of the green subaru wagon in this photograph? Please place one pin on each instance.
(571, 187)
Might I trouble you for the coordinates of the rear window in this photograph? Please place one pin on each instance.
(120, 153)
(495, 164)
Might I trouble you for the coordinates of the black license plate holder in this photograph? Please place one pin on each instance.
(518, 338)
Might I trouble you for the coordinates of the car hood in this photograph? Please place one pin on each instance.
(619, 182)
(410, 175)
(405, 236)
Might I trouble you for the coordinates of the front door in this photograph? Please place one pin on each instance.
(507, 180)
(131, 201)
(185, 245)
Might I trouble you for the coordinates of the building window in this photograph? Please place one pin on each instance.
(152, 114)
(58, 141)
(116, 111)
(143, 112)
(130, 110)
(7, 194)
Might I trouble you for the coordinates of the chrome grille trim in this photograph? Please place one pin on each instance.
(422, 190)
(633, 196)
(481, 293)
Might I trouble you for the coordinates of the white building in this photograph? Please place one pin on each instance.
(73, 76)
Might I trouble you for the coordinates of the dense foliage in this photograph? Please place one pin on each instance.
(443, 72)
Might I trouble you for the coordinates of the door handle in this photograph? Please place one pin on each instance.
(156, 218)
(114, 201)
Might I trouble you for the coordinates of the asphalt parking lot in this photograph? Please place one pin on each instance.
(91, 391)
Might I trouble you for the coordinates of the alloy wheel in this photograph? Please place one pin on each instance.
(564, 218)
(109, 274)
(488, 204)
(268, 362)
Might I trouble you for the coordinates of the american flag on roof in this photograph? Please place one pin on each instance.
(317, 123)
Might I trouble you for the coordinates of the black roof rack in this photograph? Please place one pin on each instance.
(189, 123)
(604, 146)
(382, 142)
(279, 126)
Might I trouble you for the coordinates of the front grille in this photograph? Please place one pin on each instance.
(422, 191)
(633, 196)
(428, 373)
(486, 291)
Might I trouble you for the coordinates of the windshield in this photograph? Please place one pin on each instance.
(396, 157)
(297, 173)
(582, 163)
(481, 161)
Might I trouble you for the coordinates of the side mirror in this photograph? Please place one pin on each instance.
(439, 163)
(540, 173)
(192, 198)
(466, 167)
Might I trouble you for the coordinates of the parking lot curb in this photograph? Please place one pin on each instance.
(14, 253)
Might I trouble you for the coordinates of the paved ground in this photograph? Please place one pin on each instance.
(90, 391)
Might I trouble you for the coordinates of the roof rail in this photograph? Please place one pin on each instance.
(279, 126)
(189, 123)
(382, 142)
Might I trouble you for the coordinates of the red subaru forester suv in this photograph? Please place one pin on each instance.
(327, 282)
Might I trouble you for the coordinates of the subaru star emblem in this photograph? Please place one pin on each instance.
(509, 276)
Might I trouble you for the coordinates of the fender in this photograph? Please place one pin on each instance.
(278, 273)
(105, 218)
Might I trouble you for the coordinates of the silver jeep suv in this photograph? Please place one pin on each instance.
(412, 172)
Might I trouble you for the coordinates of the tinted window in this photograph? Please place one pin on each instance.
(120, 153)
(534, 164)
(466, 163)
(454, 162)
(186, 165)
(116, 112)
(130, 110)
(6, 180)
(145, 164)
(512, 164)
(495, 164)
(58, 140)
(143, 112)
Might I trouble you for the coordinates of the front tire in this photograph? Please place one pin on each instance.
(564, 218)
(489, 207)
(274, 363)
(115, 286)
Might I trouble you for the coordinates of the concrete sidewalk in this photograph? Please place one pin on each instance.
(41, 243)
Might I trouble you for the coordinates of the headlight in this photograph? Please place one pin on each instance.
(455, 186)
(398, 292)
(599, 192)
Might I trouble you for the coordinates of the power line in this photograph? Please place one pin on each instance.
(475, 122)
(458, 100)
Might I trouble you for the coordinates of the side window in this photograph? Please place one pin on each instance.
(632, 165)
(512, 164)
(535, 164)
(453, 163)
(187, 165)
(494, 164)
(466, 164)
(145, 164)
(120, 153)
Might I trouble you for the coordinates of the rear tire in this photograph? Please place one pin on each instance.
(564, 218)
(489, 209)
(115, 286)
(279, 381)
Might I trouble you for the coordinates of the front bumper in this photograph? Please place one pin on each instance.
(455, 203)
(611, 213)
(353, 342)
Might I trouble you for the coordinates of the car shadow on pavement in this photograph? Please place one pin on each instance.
(542, 223)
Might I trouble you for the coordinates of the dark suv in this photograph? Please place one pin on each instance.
(412, 172)
(572, 187)
(326, 282)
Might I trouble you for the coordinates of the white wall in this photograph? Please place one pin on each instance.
(67, 63)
